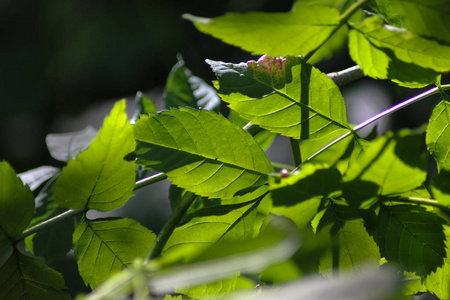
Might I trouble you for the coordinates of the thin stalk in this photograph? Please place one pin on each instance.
(346, 76)
(150, 180)
(170, 225)
(419, 201)
(295, 149)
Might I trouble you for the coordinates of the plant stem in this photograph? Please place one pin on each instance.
(150, 180)
(278, 165)
(346, 76)
(170, 225)
(296, 154)
(419, 201)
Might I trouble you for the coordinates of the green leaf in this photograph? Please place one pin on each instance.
(438, 134)
(412, 284)
(16, 205)
(412, 237)
(335, 43)
(299, 196)
(202, 152)
(355, 250)
(186, 90)
(144, 105)
(425, 17)
(35, 177)
(99, 178)
(24, 277)
(440, 187)
(438, 282)
(106, 246)
(283, 95)
(382, 167)
(65, 146)
(299, 31)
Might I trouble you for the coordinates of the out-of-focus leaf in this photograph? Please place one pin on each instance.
(106, 246)
(202, 152)
(297, 32)
(35, 177)
(65, 146)
(283, 95)
(100, 178)
(440, 187)
(24, 277)
(16, 205)
(438, 134)
(412, 237)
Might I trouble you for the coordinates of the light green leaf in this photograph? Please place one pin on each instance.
(440, 187)
(393, 53)
(412, 284)
(383, 166)
(336, 42)
(103, 247)
(35, 177)
(65, 146)
(186, 90)
(438, 134)
(25, 277)
(423, 17)
(299, 31)
(99, 178)
(202, 152)
(438, 282)
(356, 251)
(212, 290)
(412, 237)
(16, 205)
(299, 196)
(283, 95)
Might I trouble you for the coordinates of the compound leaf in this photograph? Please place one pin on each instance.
(103, 247)
(283, 95)
(99, 178)
(201, 152)
(25, 277)
(16, 205)
(438, 134)
(412, 237)
(299, 31)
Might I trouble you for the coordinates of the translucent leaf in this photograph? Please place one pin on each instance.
(412, 284)
(299, 31)
(283, 95)
(391, 164)
(100, 178)
(202, 152)
(16, 205)
(412, 237)
(144, 105)
(299, 196)
(440, 187)
(65, 146)
(186, 90)
(35, 177)
(24, 277)
(106, 246)
(438, 134)
(355, 251)
(424, 17)
(438, 282)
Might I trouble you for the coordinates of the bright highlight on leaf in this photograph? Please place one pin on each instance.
(297, 32)
(100, 178)
(201, 152)
(283, 95)
(438, 134)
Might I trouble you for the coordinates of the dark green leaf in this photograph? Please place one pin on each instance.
(283, 95)
(202, 152)
(65, 146)
(412, 237)
(24, 277)
(99, 178)
(106, 246)
(35, 177)
(438, 134)
(440, 187)
(144, 105)
(16, 205)
(299, 31)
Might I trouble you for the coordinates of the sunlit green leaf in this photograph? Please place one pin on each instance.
(391, 164)
(438, 134)
(283, 95)
(412, 284)
(105, 246)
(143, 105)
(100, 178)
(412, 237)
(16, 205)
(355, 251)
(202, 152)
(25, 277)
(299, 31)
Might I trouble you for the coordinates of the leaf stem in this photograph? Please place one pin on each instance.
(150, 180)
(295, 148)
(417, 200)
(346, 76)
(170, 225)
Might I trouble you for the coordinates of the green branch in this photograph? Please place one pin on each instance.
(346, 76)
(417, 200)
(150, 180)
(295, 149)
